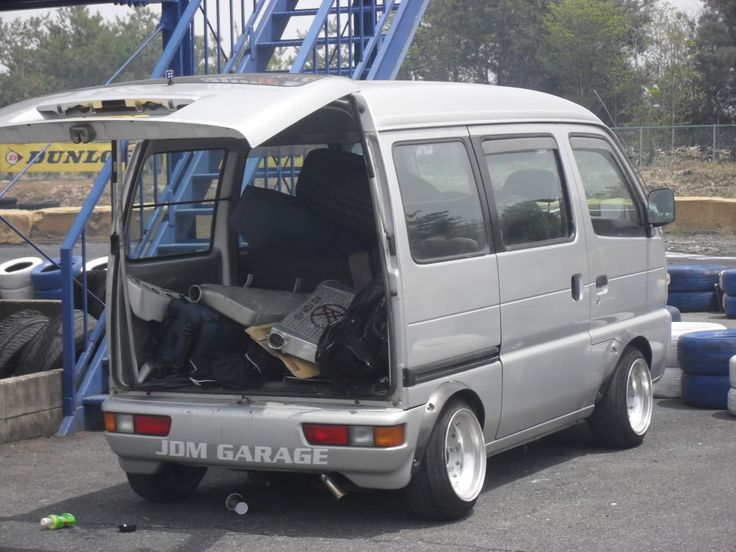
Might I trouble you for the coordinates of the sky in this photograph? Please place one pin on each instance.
(691, 7)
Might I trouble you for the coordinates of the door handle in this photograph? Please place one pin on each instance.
(575, 288)
(601, 281)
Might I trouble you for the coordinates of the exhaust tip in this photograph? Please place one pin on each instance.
(332, 486)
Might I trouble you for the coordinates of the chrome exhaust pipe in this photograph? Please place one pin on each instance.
(332, 486)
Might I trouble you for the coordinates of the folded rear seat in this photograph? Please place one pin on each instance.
(296, 242)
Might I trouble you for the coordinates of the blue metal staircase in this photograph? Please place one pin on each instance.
(363, 39)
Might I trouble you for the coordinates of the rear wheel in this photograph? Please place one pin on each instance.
(622, 417)
(453, 469)
(171, 482)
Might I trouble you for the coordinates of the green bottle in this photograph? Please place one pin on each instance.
(57, 522)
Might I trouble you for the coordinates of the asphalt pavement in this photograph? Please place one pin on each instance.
(674, 493)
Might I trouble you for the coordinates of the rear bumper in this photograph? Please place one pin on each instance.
(263, 435)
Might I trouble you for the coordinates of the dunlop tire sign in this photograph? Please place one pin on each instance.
(60, 157)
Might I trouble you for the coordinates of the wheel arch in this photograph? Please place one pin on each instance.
(434, 407)
(639, 343)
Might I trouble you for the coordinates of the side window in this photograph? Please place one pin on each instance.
(164, 222)
(612, 206)
(531, 202)
(440, 197)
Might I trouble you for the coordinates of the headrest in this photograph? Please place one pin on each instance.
(534, 184)
(333, 185)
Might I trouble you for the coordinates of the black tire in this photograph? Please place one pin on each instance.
(36, 205)
(45, 351)
(171, 482)
(15, 331)
(8, 202)
(611, 423)
(430, 493)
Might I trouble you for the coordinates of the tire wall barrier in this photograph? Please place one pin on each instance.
(669, 387)
(731, 399)
(727, 281)
(705, 359)
(692, 288)
(699, 214)
(51, 223)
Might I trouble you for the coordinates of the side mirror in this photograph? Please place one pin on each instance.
(660, 207)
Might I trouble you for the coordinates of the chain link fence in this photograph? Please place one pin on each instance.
(647, 144)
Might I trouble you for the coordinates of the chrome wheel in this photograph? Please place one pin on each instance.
(465, 455)
(639, 397)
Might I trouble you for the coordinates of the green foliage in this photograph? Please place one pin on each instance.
(478, 41)
(717, 60)
(71, 50)
(670, 64)
(587, 53)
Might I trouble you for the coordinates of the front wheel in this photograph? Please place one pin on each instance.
(622, 417)
(453, 469)
(171, 482)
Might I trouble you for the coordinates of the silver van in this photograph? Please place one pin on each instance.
(378, 283)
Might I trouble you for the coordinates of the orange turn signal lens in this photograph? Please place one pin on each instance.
(388, 436)
(110, 422)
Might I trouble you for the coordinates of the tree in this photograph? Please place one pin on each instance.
(71, 50)
(478, 41)
(716, 40)
(670, 65)
(588, 54)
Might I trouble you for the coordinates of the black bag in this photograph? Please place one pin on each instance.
(236, 370)
(191, 330)
(357, 345)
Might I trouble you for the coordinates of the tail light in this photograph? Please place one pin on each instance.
(354, 435)
(139, 424)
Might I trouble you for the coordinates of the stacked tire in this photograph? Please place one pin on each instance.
(31, 342)
(731, 401)
(16, 331)
(46, 277)
(704, 357)
(15, 278)
(670, 386)
(693, 287)
(727, 280)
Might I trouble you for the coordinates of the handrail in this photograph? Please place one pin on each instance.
(80, 222)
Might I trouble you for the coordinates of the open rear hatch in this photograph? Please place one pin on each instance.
(229, 285)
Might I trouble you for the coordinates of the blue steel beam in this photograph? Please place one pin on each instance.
(400, 34)
(269, 29)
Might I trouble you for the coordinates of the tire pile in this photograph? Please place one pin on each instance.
(15, 278)
(731, 401)
(727, 280)
(31, 342)
(704, 357)
(692, 288)
(46, 277)
(670, 386)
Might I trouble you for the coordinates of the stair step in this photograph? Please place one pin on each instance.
(318, 42)
(94, 400)
(193, 211)
(313, 11)
(173, 248)
(206, 176)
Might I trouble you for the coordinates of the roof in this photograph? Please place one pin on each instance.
(257, 106)
(406, 104)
